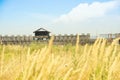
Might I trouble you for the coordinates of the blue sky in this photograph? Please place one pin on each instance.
(22, 17)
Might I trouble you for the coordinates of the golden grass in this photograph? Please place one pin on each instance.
(99, 61)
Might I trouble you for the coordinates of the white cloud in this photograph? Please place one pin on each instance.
(89, 18)
(86, 11)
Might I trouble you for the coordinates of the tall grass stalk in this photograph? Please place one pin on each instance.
(77, 43)
(2, 61)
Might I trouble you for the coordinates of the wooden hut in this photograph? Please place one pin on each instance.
(42, 34)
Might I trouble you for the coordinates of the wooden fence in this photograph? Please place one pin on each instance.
(16, 39)
(58, 39)
(110, 36)
(64, 39)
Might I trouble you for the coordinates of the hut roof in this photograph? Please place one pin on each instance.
(41, 30)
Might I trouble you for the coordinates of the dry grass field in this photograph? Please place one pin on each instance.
(100, 61)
